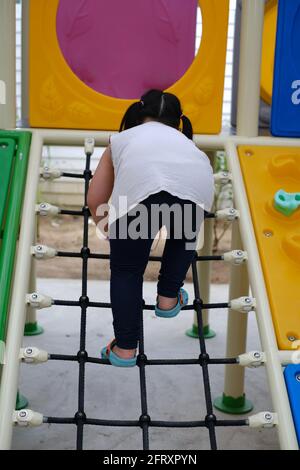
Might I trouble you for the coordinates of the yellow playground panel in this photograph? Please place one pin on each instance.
(267, 170)
(59, 99)
(268, 50)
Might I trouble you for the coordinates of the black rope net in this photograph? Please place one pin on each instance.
(144, 421)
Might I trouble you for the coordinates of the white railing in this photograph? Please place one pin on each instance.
(17, 315)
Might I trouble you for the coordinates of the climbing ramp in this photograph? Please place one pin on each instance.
(204, 420)
(144, 421)
(267, 170)
(271, 176)
(14, 154)
(266, 178)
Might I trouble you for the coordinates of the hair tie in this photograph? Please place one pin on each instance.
(142, 103)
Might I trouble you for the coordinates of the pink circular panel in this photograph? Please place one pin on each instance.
(122, 48)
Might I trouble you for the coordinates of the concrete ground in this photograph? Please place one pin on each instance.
(174, 392)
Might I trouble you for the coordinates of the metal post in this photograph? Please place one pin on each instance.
(8, 64)
(32, 328)
(234, 399)
(250, 67)
(204, 275)
(10, 370)
(25, 63)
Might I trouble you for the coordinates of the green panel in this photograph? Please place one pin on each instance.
(7, 152)
(12, 221)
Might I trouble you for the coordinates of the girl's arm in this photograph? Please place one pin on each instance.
(101, 185)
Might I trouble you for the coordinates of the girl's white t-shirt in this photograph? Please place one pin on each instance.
(154, 157)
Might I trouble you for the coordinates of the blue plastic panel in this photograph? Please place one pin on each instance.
(292, 380)
(285, 119)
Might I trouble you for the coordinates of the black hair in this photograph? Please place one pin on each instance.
(159, 106)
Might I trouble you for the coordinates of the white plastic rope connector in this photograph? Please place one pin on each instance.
(27, 418)
(229, 214)
(43, 252)
(235, 257)
(48, 173)
(31, 355)
(266, 419)
(258, 358)
(223, 177)
(38, 301)
(289, 357)
(252, 359)
(89, 145)
(45, 209)
(243, 304)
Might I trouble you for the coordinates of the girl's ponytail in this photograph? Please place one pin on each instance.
(132, 116)
(187, 128)
(159, 106)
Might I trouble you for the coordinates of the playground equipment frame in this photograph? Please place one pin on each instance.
(247, 130)
(17, 314)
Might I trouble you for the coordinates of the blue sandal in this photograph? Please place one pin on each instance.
(107, 353)
(183, 299)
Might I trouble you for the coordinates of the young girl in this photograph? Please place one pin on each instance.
(154, 165)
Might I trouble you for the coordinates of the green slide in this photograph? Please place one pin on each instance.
(14, 155)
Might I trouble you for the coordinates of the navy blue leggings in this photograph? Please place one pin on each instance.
(129, 258)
